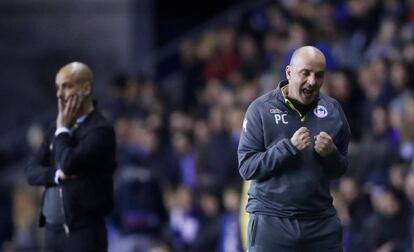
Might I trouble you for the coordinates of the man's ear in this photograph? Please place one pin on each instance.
(87, 88)
(288, 72)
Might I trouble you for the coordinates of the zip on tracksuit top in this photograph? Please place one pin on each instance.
(284, 181)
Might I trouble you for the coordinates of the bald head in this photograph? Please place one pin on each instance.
(80, 72)
(307, 53)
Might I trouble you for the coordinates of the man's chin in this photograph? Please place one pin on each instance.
(306, 100)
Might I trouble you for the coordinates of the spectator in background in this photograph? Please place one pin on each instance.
(387, 229)
(273, 48)
(357, 209)
(184, 224)
(409, 191)
(371, 89)
(6, 221)
(230, 237)
(343, 88)
(233, 121)
(75, 164)
(400, 79)
(384, 43)
(377, 152)
(396, 176)
(207, 237)
(406, 131)
(181, 164)
(225, 59)
(116, 104)
(142, 142)
(139, 216)
(185, 160)
(220, 152)
(401, 90)
(191, 69)
(251, 64)
(25, 203)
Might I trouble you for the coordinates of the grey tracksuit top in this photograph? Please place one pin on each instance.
(284, 181)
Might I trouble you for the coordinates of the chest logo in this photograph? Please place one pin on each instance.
(281, 118)
(320, 111)
(275, 111)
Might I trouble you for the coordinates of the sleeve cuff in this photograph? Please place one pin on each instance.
(332, 157)
(61, 130)
(291, 148)
(57, 175)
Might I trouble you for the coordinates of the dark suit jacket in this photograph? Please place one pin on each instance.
(87, 153)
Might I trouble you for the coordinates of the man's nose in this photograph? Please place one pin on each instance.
(59, 93)
(312, 79)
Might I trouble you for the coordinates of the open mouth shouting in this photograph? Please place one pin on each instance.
(308, 91)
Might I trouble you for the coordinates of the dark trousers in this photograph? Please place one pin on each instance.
(91, 238)
(269, 233)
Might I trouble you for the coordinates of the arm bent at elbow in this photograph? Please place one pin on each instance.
(260, 165)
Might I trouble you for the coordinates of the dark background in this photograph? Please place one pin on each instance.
(174, 19)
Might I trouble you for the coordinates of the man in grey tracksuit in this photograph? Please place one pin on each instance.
(294, 141)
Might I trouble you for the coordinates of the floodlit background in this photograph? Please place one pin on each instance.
(176, 81)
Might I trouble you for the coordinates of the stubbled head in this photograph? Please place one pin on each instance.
(305, 74)
(74, 79)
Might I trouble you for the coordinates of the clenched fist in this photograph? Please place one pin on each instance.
(323, 144)
(301, 138)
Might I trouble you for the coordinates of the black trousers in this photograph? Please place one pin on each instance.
(91, 238)
(269, 233)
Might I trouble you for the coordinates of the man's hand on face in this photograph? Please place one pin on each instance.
(68, 111)
(301, 138)
(323, 144)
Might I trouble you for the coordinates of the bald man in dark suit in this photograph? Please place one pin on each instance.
(75, 165)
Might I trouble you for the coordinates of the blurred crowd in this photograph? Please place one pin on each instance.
(177, 186)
